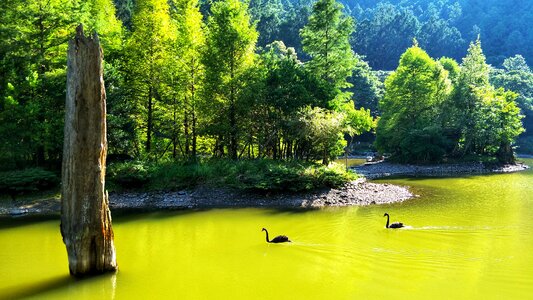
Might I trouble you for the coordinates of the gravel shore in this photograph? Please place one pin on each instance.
(358, 192)
(386, 169)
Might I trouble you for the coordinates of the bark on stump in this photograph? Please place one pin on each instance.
(85, 215)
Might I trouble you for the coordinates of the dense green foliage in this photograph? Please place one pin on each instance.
(326, 39)
(180, 84)
(517, 77)
(385, 28)
(254, 175)
(187, 79)
(229, 55)
(411, 126)
(367, 87)
(26, 181)
(424, 120)
(33, 36)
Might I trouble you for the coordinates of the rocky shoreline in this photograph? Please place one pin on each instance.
(358, 192)
(381, 169)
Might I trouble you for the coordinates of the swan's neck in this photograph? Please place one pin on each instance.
(266, 231)
(387, 226)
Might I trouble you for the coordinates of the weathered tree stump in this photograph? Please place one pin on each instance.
(85, 216)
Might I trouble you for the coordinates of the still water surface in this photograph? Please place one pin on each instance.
(469, 238)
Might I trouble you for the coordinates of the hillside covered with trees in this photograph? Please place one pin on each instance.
(286, 80)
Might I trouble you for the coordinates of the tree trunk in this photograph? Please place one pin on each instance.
(174, 131)
(85, 216)
(232, 112)
(193, 109)
(505, 153)
(186, 126)
(194, 134)
(149, 123)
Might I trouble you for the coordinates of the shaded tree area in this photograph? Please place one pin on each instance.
(269, 78)
(33, 43)
(434, 110)
(516, 76)
(443, 28)
(180, 83)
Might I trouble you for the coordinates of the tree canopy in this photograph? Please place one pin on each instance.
(288, 80)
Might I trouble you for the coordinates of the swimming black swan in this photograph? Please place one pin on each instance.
(278, 239)
(393, 225)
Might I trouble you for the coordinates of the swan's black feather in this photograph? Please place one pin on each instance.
(280, 239)
(396, 225)
(393, 225)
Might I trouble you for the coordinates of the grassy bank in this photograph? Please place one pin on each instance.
(257, 175)
(254, 175)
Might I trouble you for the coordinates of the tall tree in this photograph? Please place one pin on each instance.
(33, 38)
(148, 50)
(473, 80)
(190, 43)
(284, 88)
(230, 45)
(517, 77)
(498, 125)
(410, 127)
(326, 39)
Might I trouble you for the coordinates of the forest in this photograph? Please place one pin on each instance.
(285, 80)
(373, 139)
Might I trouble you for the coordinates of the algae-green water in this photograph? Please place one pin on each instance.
(468, 238)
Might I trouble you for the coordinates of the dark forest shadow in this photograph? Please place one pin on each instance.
(138, 214)
(18, 221)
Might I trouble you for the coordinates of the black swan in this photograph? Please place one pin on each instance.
(278, 239)
(393, 225)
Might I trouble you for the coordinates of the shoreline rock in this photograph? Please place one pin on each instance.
(381, 169)
(359, 192)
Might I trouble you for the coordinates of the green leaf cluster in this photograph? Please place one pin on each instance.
(26, 181)
(434, 110)
(262, 175)
(183, 84)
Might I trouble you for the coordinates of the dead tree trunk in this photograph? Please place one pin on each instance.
(85, 216)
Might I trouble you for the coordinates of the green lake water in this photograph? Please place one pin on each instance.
(468, 238)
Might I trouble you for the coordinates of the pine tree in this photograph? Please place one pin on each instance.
(410, 127)
(148, 50)
(99, 16)
(33, 37)
(230, 45)
(326, 39)
(473, 80)
(189, 46)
